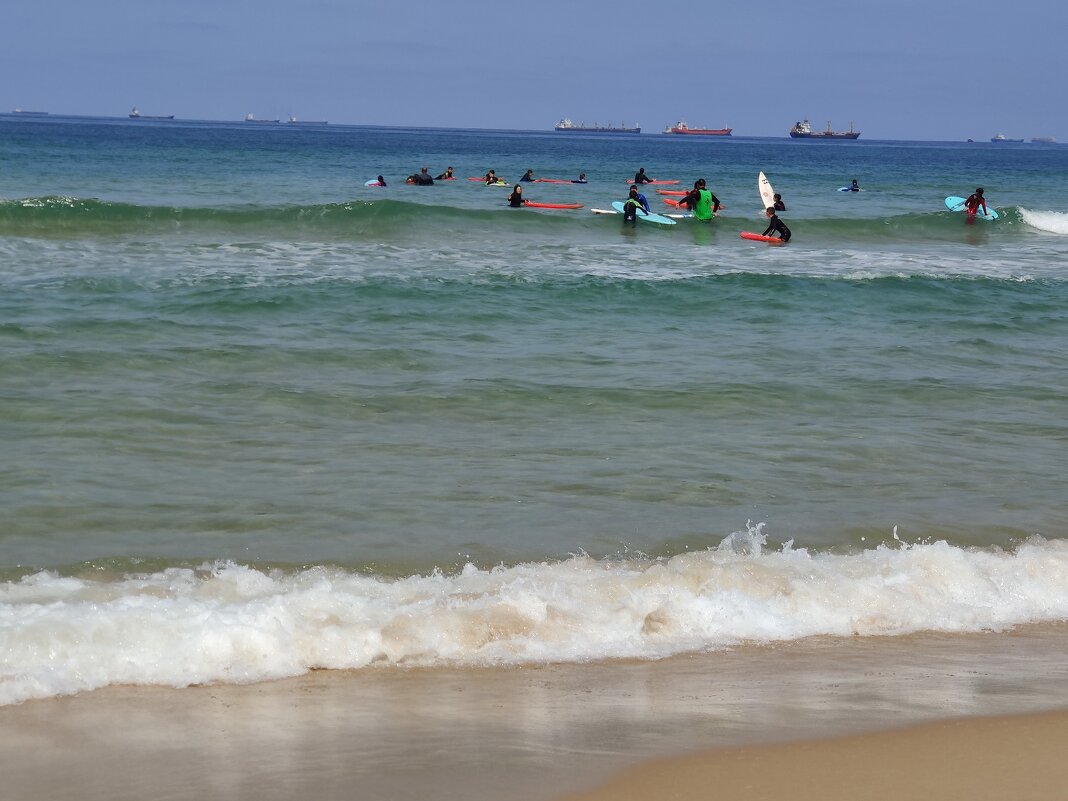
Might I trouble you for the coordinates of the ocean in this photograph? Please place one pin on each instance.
(260, 419)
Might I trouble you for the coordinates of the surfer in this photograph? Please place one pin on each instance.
(424, 178)
(380, 181)
(515, 200)
(776, 225)
(854, 187)
(581, 179)
(446, 176)
(974, 201)
(635, 201)
(491, 177)
(779, 205)
(528, 176)
(641, 178)
(701, 201)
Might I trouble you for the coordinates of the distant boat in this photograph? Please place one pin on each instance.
(1002, 138)
(30, 113)
(137, 115)
(571, 127)
(803, 130)
(1043, 140)
(682, 128)
(250, 118)
(295, 121)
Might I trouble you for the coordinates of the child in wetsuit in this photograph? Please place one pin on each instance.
(515, 200)
(635, 201)
(776, 225)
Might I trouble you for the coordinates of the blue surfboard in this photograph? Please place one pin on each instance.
(653, 218)
(955, 203)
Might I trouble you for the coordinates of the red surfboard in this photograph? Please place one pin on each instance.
(630, 181)
(535, 205)
(672, 192)
(771, 240)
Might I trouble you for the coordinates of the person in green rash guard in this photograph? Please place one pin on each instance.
(701, 201)
(634, 203)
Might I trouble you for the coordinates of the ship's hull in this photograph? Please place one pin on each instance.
(593, 129)
(825, 135)
(700, 131)
(149, 117)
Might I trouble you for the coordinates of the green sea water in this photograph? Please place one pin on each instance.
(218, 347)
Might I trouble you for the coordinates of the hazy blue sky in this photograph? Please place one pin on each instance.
(911, 69)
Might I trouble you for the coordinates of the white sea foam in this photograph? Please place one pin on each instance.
(230, 623)
(1054, 222)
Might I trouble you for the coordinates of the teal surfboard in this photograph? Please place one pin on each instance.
(653, 218)
(954, 203)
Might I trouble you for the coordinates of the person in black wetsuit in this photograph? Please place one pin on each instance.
(634, 203)
(445, 176)
(424, 178)
(641, 178)
(580, 180)
(779, 205)
(528, 176)
(776, 225)
(515, 200)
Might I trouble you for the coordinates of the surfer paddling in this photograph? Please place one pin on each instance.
(776, 225)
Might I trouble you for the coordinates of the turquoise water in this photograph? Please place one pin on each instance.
(236, 378)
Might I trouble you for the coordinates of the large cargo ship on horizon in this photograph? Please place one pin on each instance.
(570, 127)
(682, 128)
(803, 130)
(137, 115)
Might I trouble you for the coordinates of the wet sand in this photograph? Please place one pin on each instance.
(539, 733)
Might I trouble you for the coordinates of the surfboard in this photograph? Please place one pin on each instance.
(771, 240)
(373, 182)
(662, 183)
(536, 205)
(849, 189)
(767, 194)
(955, 203)
(675, 192)
(652, 218)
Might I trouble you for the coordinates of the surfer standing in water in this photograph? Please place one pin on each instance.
(635, 201)
(701, 201)
(515, 200)
(641, 178)
(776, 225)
(974, 201)
(779, 205)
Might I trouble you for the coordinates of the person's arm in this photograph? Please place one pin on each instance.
(715, 202)
(769, 229)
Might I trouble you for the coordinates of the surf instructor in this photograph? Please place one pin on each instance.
(701, 201)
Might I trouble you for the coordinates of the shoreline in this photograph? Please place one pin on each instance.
(529, 734)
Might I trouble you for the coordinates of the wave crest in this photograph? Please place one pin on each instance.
(232, 623)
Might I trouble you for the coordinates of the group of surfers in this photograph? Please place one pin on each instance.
(700, 200)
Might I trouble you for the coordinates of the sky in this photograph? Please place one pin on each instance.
(898, 70)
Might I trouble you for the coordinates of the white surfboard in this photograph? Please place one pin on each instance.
(767, 194)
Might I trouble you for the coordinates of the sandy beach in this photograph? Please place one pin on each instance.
(762, 714)
(974, 759)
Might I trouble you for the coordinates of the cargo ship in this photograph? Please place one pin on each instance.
(572, 127)
(803, 130)
(682, 128)
(250, 118)
(137, 115)
(295, 121)
(25, 113)
(1002, 138)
